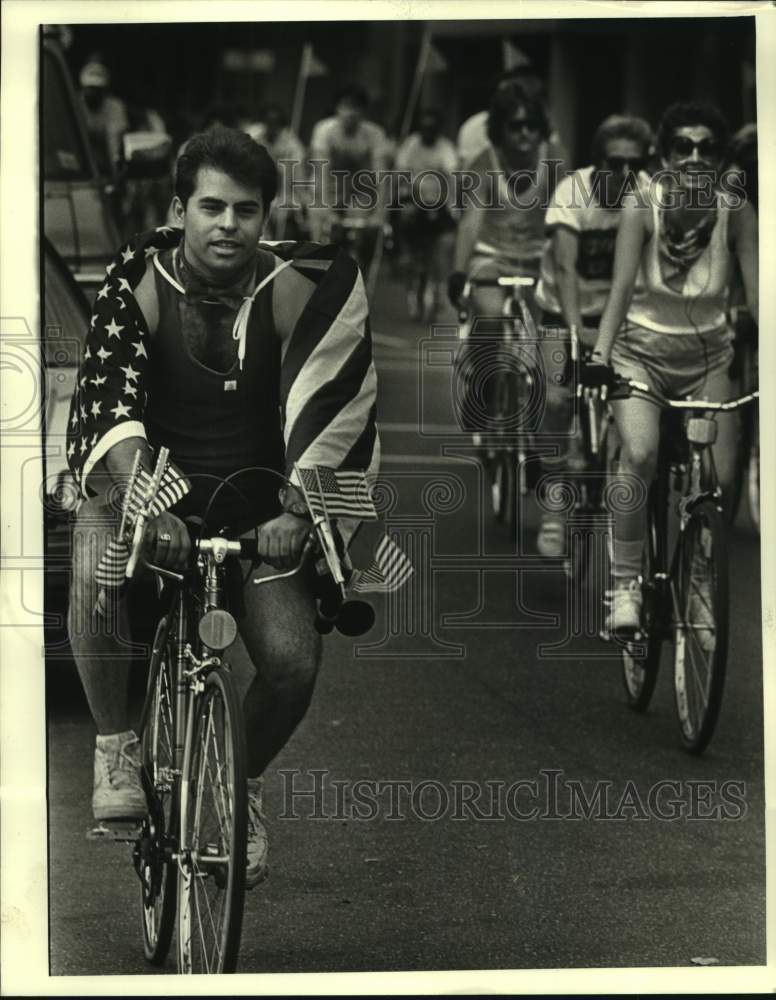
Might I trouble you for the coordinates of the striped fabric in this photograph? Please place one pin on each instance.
(390, 570)
(328, 380)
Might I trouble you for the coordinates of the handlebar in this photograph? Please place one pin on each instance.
(684, 404)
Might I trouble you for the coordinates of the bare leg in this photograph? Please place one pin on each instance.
(638, 423)
(100, 643)
(285, 649)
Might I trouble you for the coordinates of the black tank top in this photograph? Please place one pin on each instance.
(216, 423)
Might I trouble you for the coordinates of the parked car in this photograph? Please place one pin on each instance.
(78, 217)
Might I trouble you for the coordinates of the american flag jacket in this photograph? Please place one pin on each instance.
(328, 380)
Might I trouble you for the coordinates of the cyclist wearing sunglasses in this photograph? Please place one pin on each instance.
(200, 356)
(501, 231)
(685, 237)
(576, 270)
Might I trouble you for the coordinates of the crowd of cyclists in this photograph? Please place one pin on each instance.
(639, 255)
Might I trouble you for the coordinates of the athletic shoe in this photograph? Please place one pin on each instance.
(625, 608)
(257, 867)
(118, 793)
(551, 539)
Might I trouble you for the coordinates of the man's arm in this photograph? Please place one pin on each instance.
(565, 250)
(466, 239)
(745, 246)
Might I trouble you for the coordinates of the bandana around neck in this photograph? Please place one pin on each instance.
(199, 288)
(680, 249)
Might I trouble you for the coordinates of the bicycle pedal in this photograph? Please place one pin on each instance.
(115, 831)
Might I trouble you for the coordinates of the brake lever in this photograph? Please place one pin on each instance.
(308, 546)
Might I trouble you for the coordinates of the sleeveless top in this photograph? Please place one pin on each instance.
(700, 305)
(514, 227)
(216, 423)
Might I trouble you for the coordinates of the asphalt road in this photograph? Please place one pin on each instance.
(470, 677)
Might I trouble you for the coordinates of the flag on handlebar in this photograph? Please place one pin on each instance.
(337, 493)
(390, 570)
(172, 487)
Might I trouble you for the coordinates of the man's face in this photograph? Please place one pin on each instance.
(94, 96)
(695, 154)
(621, 157)
(349, 115)
(522, 134)
(222, 223)
(429, 130)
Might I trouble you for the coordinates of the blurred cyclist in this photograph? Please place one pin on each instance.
(576, 271)
(106, 117)
(473, 134)
(685, 237)
(502, 228)
(352, 150)
(286, 149)
(427, 225)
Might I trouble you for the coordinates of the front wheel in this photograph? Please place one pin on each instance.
(213, 841)
(700, 621)
(156, 869)
(640, 657)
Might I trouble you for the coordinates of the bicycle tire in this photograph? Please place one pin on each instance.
(502, 486)
(211, 881)
(700, 610)
(753, 474)
(157, 738)
(640, 659)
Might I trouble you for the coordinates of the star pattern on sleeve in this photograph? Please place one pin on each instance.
(111, 384)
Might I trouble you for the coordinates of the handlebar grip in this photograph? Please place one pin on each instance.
(249, 549)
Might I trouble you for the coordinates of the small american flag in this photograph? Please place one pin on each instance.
(390, 570)
(337, 493)
(173, 487)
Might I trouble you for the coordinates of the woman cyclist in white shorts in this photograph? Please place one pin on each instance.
(685, 236)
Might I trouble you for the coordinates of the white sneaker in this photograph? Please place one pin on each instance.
(551, 539)
(257, 867)
(118, 792)
(625, 607)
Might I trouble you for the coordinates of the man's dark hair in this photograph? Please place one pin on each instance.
(353, 94)
(506, 101)
(232, 152)
(621, 127)
(684, 113)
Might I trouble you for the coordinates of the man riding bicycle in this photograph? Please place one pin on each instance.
(427, 224)
(211, 346)
(353, 151)
(684, 237)
(501, 232)
(576, 269)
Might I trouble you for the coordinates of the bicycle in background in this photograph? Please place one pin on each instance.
(503, 389)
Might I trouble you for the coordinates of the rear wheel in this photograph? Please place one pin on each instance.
(700, 619)
(212, 876)
(157, 870)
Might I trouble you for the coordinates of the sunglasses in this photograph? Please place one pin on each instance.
(681, 146)
(623, 163)
(518, 124)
